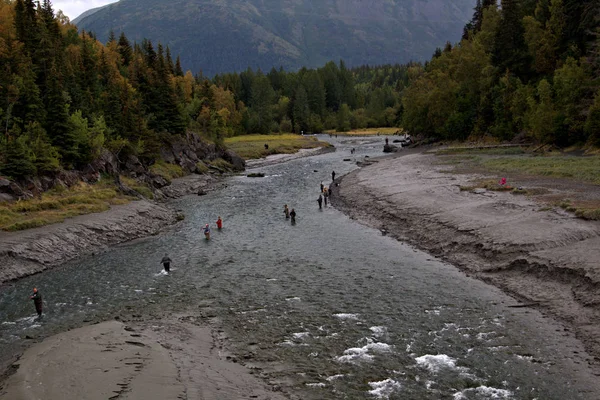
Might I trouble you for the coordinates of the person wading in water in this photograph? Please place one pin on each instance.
(320, 201)
(286, 211)
(293, 215)
(207, 232)
(219, 223)
(166, 262)
(37, 301)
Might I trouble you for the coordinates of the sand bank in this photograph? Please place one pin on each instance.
(174, 358)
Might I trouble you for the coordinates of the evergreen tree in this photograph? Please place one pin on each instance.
(262, 102)
(18, 160)
(178, 70)
(125, 50)
(301, 111)
(169, 61)
(510, 52)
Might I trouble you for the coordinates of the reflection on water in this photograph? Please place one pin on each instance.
(327, 308)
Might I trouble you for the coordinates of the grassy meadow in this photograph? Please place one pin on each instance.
(58, 204)
(367, 132)
(253, 146)
(517, 161)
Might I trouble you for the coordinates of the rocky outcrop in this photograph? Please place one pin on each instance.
(184, 151)
(189, 150)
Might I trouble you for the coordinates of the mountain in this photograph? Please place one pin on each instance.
(230, 35)
(87, 13)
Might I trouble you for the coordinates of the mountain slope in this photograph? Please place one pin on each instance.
(230, 35)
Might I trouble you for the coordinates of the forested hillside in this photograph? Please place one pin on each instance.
(218, 36)
(529, 67)
(65, 97)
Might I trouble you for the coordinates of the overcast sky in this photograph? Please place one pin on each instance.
(73, 8)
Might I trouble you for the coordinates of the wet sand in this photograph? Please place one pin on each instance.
(172, 358)
(545, 258)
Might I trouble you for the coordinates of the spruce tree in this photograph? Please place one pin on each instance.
(18, 160)
(178, 70)
(510, 51)
(125, 50)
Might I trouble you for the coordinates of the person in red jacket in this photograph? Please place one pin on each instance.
(219, 223)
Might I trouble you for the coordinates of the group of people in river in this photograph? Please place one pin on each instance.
(166, 260)
(326, 192)
(289, 214)
(206, 229)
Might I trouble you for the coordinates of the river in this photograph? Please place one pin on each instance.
(326, 308)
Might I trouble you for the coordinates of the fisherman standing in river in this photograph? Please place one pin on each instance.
(333, 176)
(286, 211)
(166, 262)
(293, 215)
(320, 201)
(37, 301)
(219, 223)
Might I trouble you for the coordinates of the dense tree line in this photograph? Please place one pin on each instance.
(65, 97)
(529, 67)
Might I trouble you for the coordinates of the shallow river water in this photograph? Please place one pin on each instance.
(326, 308)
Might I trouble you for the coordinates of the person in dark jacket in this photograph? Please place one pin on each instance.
(293, 215)
(37, 301)
(320, 201)
(333, 176)
(166, 262)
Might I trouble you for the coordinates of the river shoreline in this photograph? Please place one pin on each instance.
(32, 251)
(545, 258)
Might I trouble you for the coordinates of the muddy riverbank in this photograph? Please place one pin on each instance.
(543, 256)
(31, 251)
(181, 356)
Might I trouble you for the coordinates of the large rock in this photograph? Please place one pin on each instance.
(134, 165)
(238, 162)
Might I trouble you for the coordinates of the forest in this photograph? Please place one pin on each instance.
(527, 69)
(522, 69)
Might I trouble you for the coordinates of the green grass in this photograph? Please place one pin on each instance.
(582, 169)
(367, 131)
(139, 187)
(202, 167)
(167, 171)
(488, 184)
(498, 151)
(252, 146)
(590, 214)
(59, 204)
(221, 164)
(585, 169)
